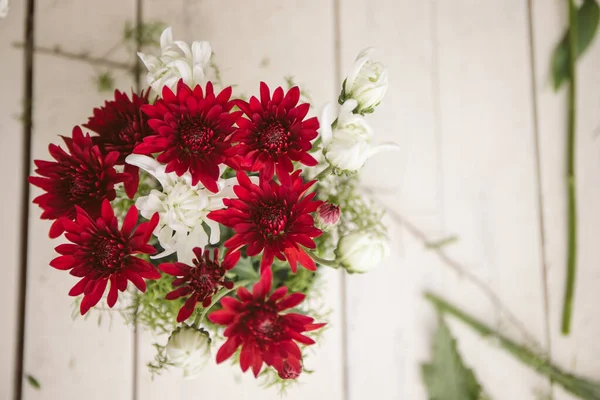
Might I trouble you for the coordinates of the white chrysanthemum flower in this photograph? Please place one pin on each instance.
(366, 83)
(177, 61)
(361, 251)
(3, 8)
(350, 143)
(182, 209)
(189, 348)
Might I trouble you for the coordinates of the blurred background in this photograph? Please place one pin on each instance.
(481, 168)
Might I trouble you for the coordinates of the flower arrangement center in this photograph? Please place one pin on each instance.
(196, 135)
(265, 324)
(108, 254)
(275, 137)
(272, 219)
(204, 279)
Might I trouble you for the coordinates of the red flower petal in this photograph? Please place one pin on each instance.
(227, 349)
(91, 299)
(221, 317)
(290, 301)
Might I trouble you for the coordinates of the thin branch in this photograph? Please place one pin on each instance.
(464, 272)
(84, 57)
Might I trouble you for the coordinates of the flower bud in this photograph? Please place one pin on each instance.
(366, 83)
(327, 216)
(349, 143)
(361, 251)
(290, 369)
(189, 348)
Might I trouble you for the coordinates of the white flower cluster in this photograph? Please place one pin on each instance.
(182, 209)
(346, 134)
(348, 141)
(177, 60)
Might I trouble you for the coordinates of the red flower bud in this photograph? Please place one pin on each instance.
(327, 216)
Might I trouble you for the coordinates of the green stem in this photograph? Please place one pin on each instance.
(585, 389)
(322, 261)
(217, 298)
(572, 203)
(324, 173)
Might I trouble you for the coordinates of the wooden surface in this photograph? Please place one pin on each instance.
(482, 136)
(11, 152)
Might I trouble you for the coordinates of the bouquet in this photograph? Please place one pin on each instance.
(220, 211)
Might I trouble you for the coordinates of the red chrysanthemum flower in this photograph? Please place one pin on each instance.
(83, 177)
(99, 253)
(272, 217)
(121, 125)
(255, 322)
(275, 133)
(193, 132)
(199, 282)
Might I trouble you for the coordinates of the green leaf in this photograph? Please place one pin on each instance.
(33, 382)
(581, 387)
(587, 24)
(146, 34)
(446, 376)
(105, 82)
(438, 244)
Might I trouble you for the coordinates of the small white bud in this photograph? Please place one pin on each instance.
(366, 83)
(189, 348)
(361, 251)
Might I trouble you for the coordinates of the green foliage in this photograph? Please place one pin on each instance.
(216, 71)
(270, 379)
(576, 385)
(588, 16)
(446, 376)
(146, 34)
(160, 363)
(121, 204)
(152, 310)
(438, 244)
(342, 97)
(358, 211)
(265, 62)
(105, 81)
(33, 382)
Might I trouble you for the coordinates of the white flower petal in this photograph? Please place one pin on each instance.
(166, 37)
(328, 114)
(215, 231)
(201, 52)
(367, 82)
(177, 61)
(388, 146)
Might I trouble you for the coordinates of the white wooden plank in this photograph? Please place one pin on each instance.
(388, 323)
(263, 41)
(11, 150)
(489, 180)
(579, 351)
(72, 359)
(485, 192)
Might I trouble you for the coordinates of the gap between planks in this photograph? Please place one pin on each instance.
(337, 46)
(538, 175)
(26, 160)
